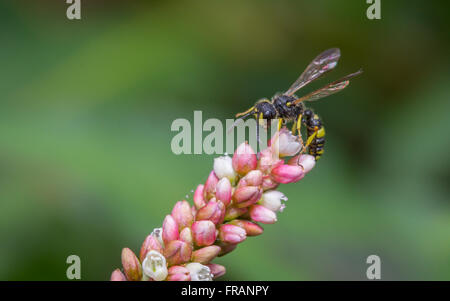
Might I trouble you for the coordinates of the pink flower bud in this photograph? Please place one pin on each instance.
(253, 178)
(178, 273)
(216, 269)
(170, 229)
(223, 191)
(268, 183)
(204, 233)
(206, 254)
(268, 159)
(182, 214)
(226, 248)
(287, 173)
(213, 211)
(177, 252)
(250, 228)
(117, 275)
(199, 201)
(244, 159)
(150, 243)
(131, 265)
(177, 269)
(209, 189)
(246, 196)
(234, 212)
(186, 235)
(232, 234)
(261, 214)
(305, 161)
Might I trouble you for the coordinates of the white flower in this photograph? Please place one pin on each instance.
(154, 266)
(223, 167)
(287, 144)
(157, 233)
(307, 162)
(199, 272)
(272, 200)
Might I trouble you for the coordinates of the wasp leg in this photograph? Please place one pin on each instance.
(280, 123)
(246, 112)
(294, 128)
(311, 138)
(260, 118)
(299, 126)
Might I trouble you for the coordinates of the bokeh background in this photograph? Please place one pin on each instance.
(86, 107)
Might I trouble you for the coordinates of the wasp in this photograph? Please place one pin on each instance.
(287, 107)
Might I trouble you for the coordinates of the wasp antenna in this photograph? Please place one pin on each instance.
(238, 119)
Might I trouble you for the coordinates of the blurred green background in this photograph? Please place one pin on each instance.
(86, 107)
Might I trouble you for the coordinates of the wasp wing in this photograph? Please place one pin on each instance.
(323, 63)
(329, 89)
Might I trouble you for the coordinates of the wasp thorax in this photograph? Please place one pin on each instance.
(285, 108)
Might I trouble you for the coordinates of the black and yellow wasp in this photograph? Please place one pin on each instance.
(287, 107)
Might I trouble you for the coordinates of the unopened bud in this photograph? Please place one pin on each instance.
(244, 159)
(199, 201)
(261, 214)
(117, 275)
(131, 265)
(150, 243)
(204, 233)
(268, 159)
(286, 174)
(170, 230)
(250, 228)
(178, 273)
(246, 196)
(223, 191)
(226, 248)
(209, 190)
(206, 254)
(234, 212)
(268, 183)
(177, 252)
(213, 211)
(253, 178)
(232, 234)
(217, 270)
(186, 235)
(182, 214)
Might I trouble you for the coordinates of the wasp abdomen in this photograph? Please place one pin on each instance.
(313, 124)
